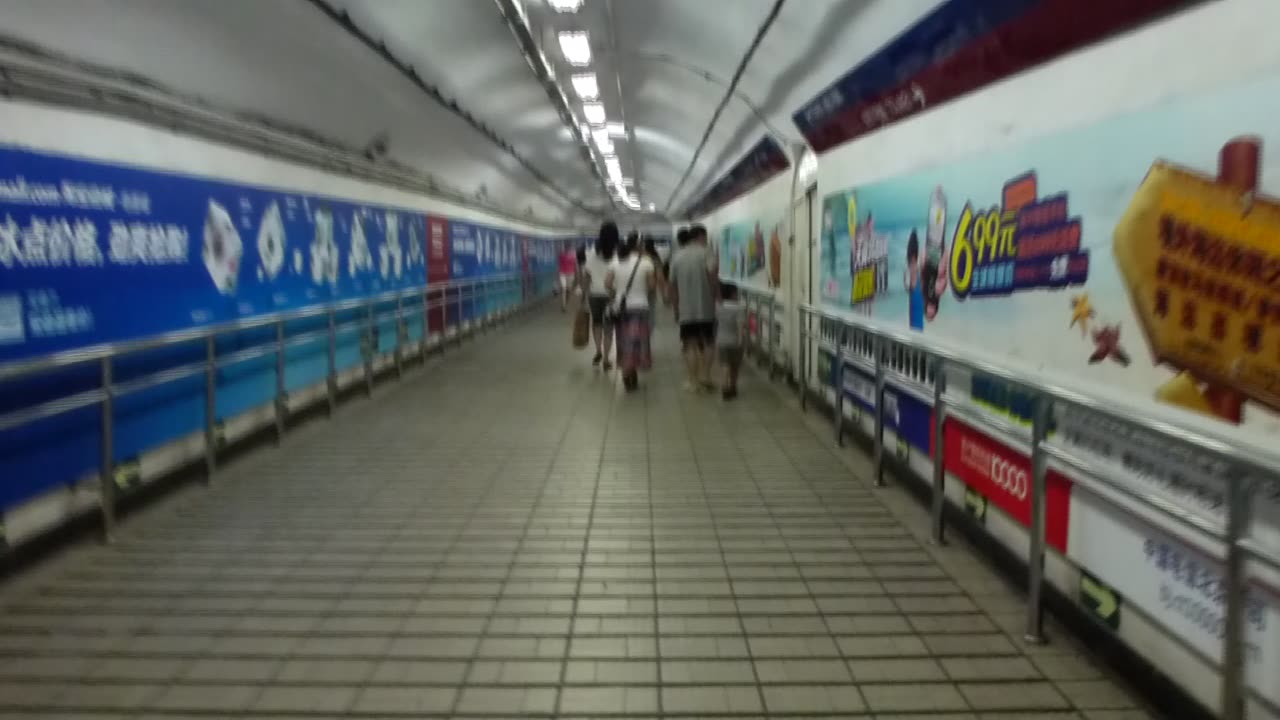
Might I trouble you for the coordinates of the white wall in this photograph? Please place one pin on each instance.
(1188, 53)
(114, 140)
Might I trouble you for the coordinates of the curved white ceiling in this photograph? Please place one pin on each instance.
(663, 66)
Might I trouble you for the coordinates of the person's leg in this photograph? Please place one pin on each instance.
(732, 359)
(597, 328)
(708, 363)
(689, 349)
(607, 344)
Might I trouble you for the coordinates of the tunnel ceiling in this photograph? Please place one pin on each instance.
(340, 68)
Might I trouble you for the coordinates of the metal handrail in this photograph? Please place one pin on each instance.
(519, 288)
(18, 368)
(1246, 461)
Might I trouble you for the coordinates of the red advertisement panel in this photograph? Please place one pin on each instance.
(1003, 475)
(438, 263)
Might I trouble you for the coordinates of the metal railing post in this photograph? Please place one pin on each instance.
(839, 383)
(878, 345)
(210, 407)
(370, 347)
(400, 336)
(938, 499)
(107, 457)
(459, 333)
(1041, 414)
(280, 390)
(1234, 677)
(426, 323)
(773, 338)
(804, 361)
(331, 374)
(477, 322)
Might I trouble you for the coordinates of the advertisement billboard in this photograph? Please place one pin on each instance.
(1137, 256)
(1134, 253)
(94, 253)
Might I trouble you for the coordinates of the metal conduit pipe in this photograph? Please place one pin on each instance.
(533, 55)
(724, 101)
(343, 20)
(32, 73)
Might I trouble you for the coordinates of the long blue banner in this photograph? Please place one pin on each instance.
(95, 253)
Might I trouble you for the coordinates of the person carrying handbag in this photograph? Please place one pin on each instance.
(631, 282)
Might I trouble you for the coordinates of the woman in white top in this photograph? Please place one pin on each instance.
(631, 282)
(594, 275)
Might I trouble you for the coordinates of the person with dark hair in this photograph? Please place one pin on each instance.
(594, 276)
(731, 329)
(631, 283)
(693, 284)
(650, 250)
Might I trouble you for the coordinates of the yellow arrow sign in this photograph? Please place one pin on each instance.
(976, 503)
(1101, 599)
(127, 473)
(1200, 262)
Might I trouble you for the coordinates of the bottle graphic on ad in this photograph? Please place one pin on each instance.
(933, 276)
(271, 243)
(324, 251)
(222, 249)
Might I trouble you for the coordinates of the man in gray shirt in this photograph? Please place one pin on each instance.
(693, 287)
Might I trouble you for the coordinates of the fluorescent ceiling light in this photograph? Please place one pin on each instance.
(606, 146)
(565, 6)
(576, 47)
(653, 207)
(586, 86)
(616, 129)
(593, 112)
(603, 141)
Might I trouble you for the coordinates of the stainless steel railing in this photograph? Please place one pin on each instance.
(767, 308)
(870, 345)
(450, 299)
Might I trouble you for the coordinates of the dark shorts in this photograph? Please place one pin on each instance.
(598, 304)
(701, 333)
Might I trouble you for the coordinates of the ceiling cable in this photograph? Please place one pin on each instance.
(724, 101)
(343, 19)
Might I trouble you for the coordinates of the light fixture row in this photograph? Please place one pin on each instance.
(575, 45)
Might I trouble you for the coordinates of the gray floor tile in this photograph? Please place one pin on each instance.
(508, 544)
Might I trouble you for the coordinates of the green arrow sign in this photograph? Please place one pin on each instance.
(975, 503)
(904, 450)
(1102, 601)
(128, 473)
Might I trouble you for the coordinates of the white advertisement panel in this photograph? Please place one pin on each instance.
(1180, 586)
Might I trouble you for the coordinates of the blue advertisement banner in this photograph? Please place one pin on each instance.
(904, 413)
(93, 253)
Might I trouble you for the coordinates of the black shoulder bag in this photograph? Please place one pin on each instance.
(621, 312)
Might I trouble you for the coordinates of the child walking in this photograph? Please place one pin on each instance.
(731, 327)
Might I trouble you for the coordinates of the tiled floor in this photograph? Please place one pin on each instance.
(507, 535)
